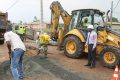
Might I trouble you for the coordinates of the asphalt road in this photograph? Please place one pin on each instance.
(56, 67)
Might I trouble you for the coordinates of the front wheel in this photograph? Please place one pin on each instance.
(110, 57)
(73, 47)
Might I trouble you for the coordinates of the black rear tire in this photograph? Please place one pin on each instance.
(79, 47)
(116, 54)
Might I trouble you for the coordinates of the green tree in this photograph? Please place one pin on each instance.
(35, 19)
(20, 22)
(114, 19)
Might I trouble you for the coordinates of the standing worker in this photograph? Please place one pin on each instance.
(16, 51)
(91, 43)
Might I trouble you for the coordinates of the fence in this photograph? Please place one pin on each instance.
(30, 34)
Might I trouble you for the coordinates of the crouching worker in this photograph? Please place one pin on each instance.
(16, 51)
(43, 41)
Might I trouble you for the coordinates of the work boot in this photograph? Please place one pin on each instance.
(92, 66)
(87, 65)
(21, 77)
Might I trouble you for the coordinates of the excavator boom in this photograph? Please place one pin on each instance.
(57, 11)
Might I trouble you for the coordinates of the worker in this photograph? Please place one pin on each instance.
(16, 51)
(91, 43)
(85, 23)
(24, 32)
(43, 43)
(21, 32)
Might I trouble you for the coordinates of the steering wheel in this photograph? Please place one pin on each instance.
(97, 23)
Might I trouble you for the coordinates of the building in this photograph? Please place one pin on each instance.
(36, 26)
(115, 25)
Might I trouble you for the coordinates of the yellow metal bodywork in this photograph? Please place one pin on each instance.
(113, 40)
(109, 57)
(57, 11)
(104, 37)
(98, 49)
(77, 33)
(71, 47)
(60, 36)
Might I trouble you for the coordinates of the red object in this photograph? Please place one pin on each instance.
(115, 75)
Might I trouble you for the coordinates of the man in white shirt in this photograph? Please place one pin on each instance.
(16, 51)
(91, 43)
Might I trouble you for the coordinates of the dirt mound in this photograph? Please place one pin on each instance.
(32, 71)
(38, 68)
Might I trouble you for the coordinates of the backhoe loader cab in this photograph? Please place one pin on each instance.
(93, 16)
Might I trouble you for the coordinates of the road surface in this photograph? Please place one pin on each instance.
(56, 67)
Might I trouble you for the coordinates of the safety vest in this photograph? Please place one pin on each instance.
(44, 39)
(21, 30)
(85, 25)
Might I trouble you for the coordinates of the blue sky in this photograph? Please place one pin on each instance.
(25, 10)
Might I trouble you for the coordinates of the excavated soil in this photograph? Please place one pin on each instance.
(56, 67)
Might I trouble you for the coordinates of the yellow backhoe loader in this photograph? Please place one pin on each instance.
(73, 37)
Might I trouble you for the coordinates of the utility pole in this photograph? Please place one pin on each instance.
(41, 11)
(111, 13)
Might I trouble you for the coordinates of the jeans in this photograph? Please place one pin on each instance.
(16, 63)
(91, 55)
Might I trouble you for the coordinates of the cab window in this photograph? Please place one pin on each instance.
(73, 23)
(98, 20)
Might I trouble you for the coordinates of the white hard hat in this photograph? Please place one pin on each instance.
(45, 33)
(90, 27)
(37, 33)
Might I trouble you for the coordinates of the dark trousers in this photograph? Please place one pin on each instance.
(91, 55)
(43, 48)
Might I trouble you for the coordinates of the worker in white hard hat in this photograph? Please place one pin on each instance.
(91, 43)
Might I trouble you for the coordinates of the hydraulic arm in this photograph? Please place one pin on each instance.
(56, 12)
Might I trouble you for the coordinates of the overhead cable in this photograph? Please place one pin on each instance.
(116, 4)
(12, 5)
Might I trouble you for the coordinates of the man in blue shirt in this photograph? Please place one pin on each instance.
(91, 43)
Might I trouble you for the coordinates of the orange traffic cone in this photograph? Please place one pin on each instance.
(115, 75)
